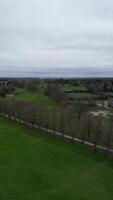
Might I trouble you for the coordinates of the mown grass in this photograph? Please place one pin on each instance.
(37, 166)
(72, 88)
(80, 95)
(33, 97)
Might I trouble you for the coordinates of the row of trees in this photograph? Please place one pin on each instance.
(72, 121)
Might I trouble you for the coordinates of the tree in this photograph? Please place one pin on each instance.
(62, 121)
(3, 92)
(110, 131)
(79, 108)
(53, 119)
(88, 126)
(54, 91)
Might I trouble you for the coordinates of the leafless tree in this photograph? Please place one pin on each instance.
(110, 131)
(79, 109)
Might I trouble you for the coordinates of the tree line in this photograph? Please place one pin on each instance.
(71, 120)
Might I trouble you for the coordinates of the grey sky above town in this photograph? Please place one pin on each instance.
(41, 34)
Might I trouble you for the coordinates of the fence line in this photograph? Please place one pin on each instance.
(58, 133)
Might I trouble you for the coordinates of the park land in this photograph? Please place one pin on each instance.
(37, 119)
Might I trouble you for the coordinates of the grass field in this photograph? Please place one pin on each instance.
(33, 97)
(77, 95)
(71, 88)
(34, 166)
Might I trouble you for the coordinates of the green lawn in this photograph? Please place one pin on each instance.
(33, 97)
(38, 167)
(71, 88)
(80, 95)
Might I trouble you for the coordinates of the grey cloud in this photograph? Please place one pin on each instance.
(48, 33)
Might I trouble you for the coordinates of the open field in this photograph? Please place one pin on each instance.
(77, 95)
(70, 88)
(33, 97)
(41, 99)
(36, 166)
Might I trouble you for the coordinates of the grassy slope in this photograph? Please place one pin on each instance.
(46, 168)
(34, 97)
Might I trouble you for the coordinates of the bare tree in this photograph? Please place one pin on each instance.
(109, 135)
(62, 121)
(71, 120)
(53, 119)
(79, 108)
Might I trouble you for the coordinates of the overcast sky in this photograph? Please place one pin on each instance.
(43, 34)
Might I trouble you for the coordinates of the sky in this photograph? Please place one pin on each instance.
(56, 35)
